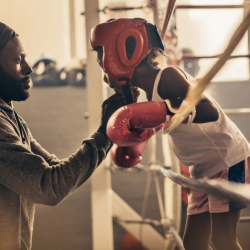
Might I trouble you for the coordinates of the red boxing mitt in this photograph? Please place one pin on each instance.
(127, 157)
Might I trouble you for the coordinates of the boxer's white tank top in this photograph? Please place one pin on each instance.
(207, 148)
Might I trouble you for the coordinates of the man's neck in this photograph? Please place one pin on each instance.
(6, 101)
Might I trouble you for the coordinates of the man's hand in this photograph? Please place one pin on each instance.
(109, 106)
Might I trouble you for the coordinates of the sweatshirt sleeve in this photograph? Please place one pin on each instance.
(43, 178)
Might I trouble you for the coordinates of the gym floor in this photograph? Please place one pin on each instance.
(55, 118)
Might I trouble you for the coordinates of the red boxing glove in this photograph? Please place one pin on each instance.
(143, 115)
(127, 157)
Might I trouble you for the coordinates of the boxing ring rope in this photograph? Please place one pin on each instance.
(104, 10)
(209, 6)
(193, 57)
(237, 111)
(234, 191)
(166, 17)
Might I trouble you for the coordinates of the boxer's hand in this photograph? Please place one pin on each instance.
(123, 126)
(109, 106)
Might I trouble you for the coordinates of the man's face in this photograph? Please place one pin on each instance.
(14, 72)
(107, 78)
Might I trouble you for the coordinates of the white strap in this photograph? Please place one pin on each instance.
(173, 110)
(170, 107)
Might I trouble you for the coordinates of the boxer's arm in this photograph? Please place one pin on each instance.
(174, 85)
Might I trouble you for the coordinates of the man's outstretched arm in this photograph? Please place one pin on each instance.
(41, 177)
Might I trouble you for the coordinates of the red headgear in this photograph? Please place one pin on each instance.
(112, 36)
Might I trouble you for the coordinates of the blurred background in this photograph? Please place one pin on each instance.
(55, 37)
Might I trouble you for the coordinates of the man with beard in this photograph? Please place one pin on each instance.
(28, 173)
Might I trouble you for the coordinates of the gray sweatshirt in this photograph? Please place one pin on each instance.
(29, 175)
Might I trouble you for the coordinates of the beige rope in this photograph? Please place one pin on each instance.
(195, 91)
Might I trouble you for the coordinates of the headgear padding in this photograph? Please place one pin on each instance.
(112, 36)
(6, 34)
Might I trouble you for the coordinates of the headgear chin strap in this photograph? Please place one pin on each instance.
(112, 36)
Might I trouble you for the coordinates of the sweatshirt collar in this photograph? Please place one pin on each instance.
(5, 106)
